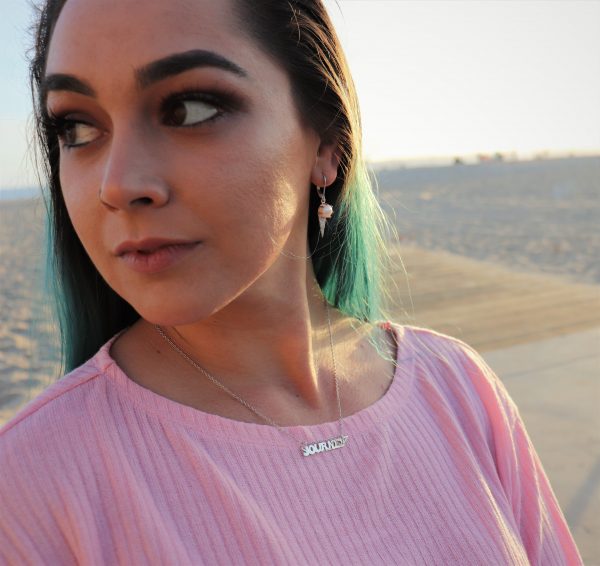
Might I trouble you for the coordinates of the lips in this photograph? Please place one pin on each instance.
(154, 255)
(149, 245)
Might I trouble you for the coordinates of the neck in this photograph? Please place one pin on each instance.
(256, 345)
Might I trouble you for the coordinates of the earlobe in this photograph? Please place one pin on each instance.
(326, 164)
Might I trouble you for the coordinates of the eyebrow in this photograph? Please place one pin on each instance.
(60, 81)
(181, 62)
(148, 74)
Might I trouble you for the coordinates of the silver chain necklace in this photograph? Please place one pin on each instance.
(306, 448)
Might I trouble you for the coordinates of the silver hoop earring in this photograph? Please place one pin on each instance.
(325, 211)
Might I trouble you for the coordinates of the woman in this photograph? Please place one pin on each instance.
(217, 253)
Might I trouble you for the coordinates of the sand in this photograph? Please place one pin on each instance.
(536, 216)
(28, 341)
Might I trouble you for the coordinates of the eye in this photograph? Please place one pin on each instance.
(189, 111)
(71, 132)
(79, 133)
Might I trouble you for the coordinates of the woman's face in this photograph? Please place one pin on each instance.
(176, 126)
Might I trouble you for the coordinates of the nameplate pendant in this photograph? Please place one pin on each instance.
(324, 445)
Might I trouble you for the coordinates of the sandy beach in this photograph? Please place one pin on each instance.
(534, 216)
(501, 255)
(28, 341)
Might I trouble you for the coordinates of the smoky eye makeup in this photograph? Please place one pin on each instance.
(192, 107)
(70, 130)
(195, 106)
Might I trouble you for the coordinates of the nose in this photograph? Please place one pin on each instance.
(132, 175)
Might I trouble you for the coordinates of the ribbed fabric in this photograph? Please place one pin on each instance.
(439, 471)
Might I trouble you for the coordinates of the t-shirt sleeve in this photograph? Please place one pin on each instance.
(540, 521)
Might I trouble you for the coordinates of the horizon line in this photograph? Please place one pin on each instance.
(408, 163)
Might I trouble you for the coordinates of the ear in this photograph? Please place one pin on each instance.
(326, 165)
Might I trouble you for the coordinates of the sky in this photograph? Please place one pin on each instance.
(434, 78)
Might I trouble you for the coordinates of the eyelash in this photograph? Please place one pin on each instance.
(57, 125)
(223, 101)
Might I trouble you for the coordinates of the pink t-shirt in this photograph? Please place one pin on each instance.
(439, 471)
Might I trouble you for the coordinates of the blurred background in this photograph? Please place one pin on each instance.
(482, 128)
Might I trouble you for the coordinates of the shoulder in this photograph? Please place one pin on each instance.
(430, 345)
(452, 356)
(50, 449)
(62, 408)
(45, 463)
(456, 375)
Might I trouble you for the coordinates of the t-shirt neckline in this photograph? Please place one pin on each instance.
(217, 426)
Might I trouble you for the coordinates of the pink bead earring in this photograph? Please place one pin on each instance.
(325, 210)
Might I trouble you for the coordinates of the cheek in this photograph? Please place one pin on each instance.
(262, 185)
(83, 207)
(264, 200)
(249, 192)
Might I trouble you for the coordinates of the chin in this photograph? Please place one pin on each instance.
(168, 302)
(182, 301)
